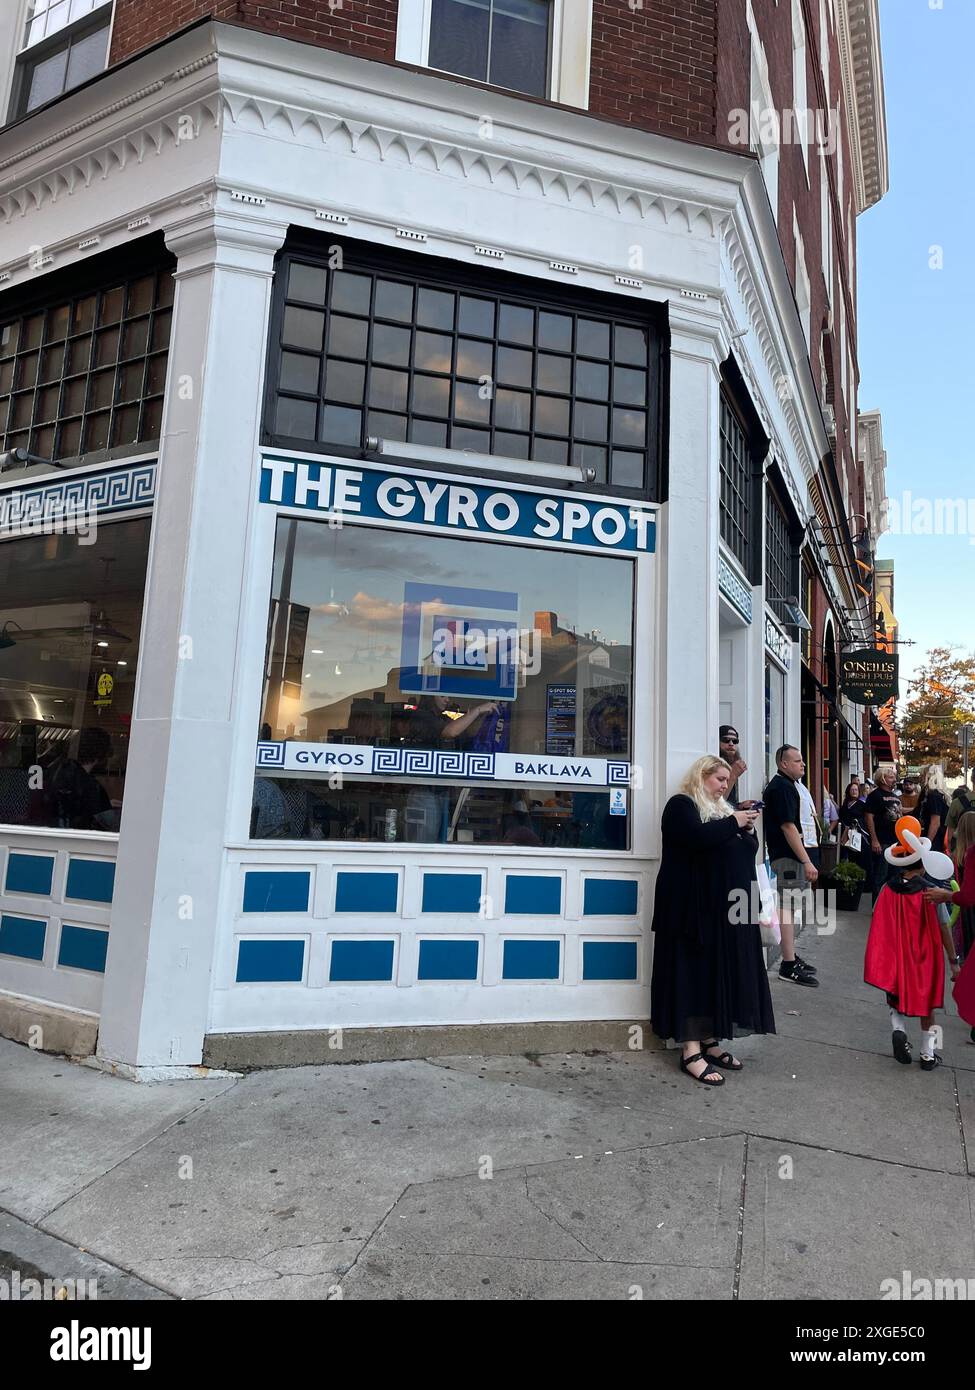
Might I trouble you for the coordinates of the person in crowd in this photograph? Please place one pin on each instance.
(910, 795)
(789, 857)
(965, 874)
(961, 803)
(908, 940)
(852, 819)
(808, 822)
(964, 898)
(430, 726)
(882, 812)
(730, 742)
(709, 980)
(831, 812)
(932, 807)
(81, 801)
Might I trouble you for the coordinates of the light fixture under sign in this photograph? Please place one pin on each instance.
(467, 458)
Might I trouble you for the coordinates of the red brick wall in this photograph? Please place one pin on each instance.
(365, 27)
(656, 66)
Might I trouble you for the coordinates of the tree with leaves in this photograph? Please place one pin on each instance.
(941, 699)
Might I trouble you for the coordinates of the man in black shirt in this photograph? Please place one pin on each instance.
(881, 813)
(793, 868)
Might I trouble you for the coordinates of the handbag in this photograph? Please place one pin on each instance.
(854, 840)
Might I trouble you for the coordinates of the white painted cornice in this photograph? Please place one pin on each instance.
(862, 75)
(250, 101)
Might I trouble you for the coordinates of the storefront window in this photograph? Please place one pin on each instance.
(375, 348)
(70, 613)
(84, 370)
(382, 639)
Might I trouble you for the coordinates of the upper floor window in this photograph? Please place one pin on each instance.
(780, 555)
(539, 47)
(83, 359)
(504, 42)
(736, 486)
(65, 42)
(389, 348)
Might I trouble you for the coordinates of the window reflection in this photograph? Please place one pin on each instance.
(386, 639)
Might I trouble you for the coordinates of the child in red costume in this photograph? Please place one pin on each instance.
(904, 948)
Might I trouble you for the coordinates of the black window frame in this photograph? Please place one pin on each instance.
(738, 419)
(28, 59)
(65, 287)
(435, 273)
(783, 544)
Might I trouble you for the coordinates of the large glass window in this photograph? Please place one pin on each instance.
(368, 351)
(736, 486)
(504, 42)
(86, 371)
(387, 639)
(70, 613)
(779, 555)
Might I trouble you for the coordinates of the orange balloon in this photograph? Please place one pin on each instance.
(910, 823)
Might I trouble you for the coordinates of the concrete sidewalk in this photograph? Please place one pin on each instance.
(819, 1171)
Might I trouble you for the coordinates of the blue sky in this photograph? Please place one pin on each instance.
(917, 363)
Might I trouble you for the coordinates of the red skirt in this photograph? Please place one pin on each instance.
(905, 953)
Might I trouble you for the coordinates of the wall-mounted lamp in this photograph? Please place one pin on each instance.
(22, 458)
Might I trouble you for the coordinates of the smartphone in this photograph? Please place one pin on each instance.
(757, 806)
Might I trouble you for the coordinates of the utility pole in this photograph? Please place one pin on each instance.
(965, 739)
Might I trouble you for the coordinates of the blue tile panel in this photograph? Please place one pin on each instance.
(30, 873)
(366, 892)
(22, 936)
(533, 895)
(448, 960)
(451, 893)
(271, 961)
(92, 880)
(361, 960)
(610, 897)
(276, 891)
(609, 960)
(531, 960)
(83, 948)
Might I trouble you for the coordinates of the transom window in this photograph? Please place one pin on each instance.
(65, 43)
(504, 42)
(779, 585)
(86, 371)
(736, 486)
(365, 353)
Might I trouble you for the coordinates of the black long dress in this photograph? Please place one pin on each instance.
(709, 977)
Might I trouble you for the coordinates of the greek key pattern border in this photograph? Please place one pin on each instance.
(60, 499)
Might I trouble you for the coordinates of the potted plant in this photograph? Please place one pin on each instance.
(847, 879)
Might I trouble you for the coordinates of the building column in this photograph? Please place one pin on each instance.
(689, 617)
(171, 849)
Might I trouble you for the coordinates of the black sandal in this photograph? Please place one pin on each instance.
(708, 1070)
(725, 1059)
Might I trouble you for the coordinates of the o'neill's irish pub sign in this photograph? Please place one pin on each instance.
(869, 677)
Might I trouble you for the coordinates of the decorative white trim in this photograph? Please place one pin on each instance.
(862, 77)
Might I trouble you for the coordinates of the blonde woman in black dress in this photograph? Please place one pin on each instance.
(709, 978)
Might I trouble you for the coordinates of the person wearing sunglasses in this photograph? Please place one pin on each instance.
(730, 741)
